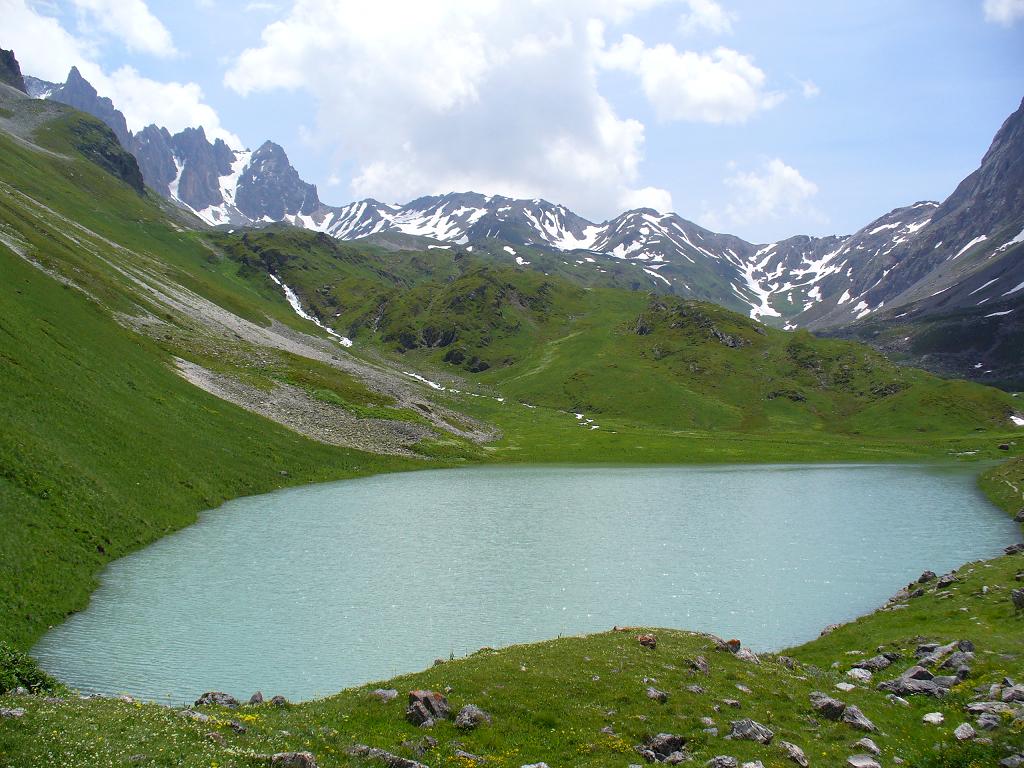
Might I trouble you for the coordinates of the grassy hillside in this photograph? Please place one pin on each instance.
(103, 448)
(655, 361)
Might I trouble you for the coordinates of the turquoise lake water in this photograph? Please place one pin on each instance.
(307, 591)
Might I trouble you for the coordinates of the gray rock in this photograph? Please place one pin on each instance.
(874, 664)
(854, 717)
(917, 673)
(12, 713)
(1013, 761)
(1013, 693)
(826, 706)
(934, 718)
(218, 699)
(695, 689)
(862, 675)
(1017, 596)
(384, 694)
(911, 686)
(425, 707)
(750, 730)
(925, 577)
(699, 664)
(947, 580)
(966, 646)
(659, 748)
(923, 649)
(935, 656)
(237, 727)
(463, 754)
(892, 698)
(753, 764)
(862, 761)
(471, 716)
(988, 722)
(747, 655)
(279, 701)
(787, 661)
(1014, 549)
(256, 698)
(794, 753)
(964, 732)
(868, 745)
(535, 765)
(199, 717)
(989, 708)
(659, 696)
(958, 659)
(294, 760)
(1019, 517)
(389, 760)
(722, 761)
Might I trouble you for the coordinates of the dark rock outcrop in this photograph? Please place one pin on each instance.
(218, 699)
(10, 71)
(426, 707)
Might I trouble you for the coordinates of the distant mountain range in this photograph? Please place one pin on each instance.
(963, 254)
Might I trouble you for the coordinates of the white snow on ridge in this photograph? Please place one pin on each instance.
(1014, 290)
(883, 227)
(999, 314)
(1019, 421)
(983, 287)
(974, 242)
(1018, 239)
(296, 305)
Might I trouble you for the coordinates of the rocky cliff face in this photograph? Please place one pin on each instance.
(270, 188)
(10, 71)
(77, 92)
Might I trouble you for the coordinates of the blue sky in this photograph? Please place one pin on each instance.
(761, 119)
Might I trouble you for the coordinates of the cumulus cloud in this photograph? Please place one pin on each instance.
(810, 89)
(46, 49)
(174, 106)
(1004, 12)
(762, 196)
(499, 96)
(129, 21)
(723, 86)
(706, 16)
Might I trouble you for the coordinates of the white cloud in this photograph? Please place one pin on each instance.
(810, 89)
(499, 96)
(647, 197)
(174, 106)
(774, 191)
(706, 16)
(129, 21)
(1004, 12)
(45, 49)
(723, 86)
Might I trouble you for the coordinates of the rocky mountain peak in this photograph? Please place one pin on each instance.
(10, 71)
(270, 187)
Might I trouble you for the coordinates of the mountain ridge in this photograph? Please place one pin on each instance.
(929, 256)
